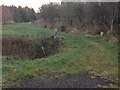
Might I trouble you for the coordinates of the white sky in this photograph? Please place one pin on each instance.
(35, 4)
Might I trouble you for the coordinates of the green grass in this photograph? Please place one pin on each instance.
(82, 54)
(23, 29)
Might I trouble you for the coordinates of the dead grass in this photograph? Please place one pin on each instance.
(30, 48)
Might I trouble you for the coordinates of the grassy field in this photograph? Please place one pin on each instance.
(82, 54)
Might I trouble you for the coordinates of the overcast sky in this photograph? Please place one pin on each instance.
(35, 4)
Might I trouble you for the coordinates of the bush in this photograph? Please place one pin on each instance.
(45, 26)
(62, 28)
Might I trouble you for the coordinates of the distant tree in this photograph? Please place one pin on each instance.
(12, 13)
(49, 12)
(29, 14)
(67, 12)
(6, 15)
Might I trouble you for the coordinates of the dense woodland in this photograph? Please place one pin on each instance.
(100, 16)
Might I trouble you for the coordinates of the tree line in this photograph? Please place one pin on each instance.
(101, 15)
(12, 14)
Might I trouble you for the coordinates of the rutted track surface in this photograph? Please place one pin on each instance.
(77, 81)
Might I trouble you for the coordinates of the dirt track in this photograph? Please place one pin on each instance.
(74, 81)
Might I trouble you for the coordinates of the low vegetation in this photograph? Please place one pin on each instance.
(81, 54)
(26, 48)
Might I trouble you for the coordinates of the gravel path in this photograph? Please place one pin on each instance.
(74, 81)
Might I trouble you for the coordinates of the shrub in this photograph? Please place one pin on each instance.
(45, 26)
(62, 28)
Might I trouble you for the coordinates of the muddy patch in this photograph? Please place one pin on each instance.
(82, 80)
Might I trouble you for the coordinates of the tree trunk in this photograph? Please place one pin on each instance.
(111, 28)
(113, 18)
(111, 25)
(71, 22)
(59, 21)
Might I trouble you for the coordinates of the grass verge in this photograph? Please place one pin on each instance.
(82, 54)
